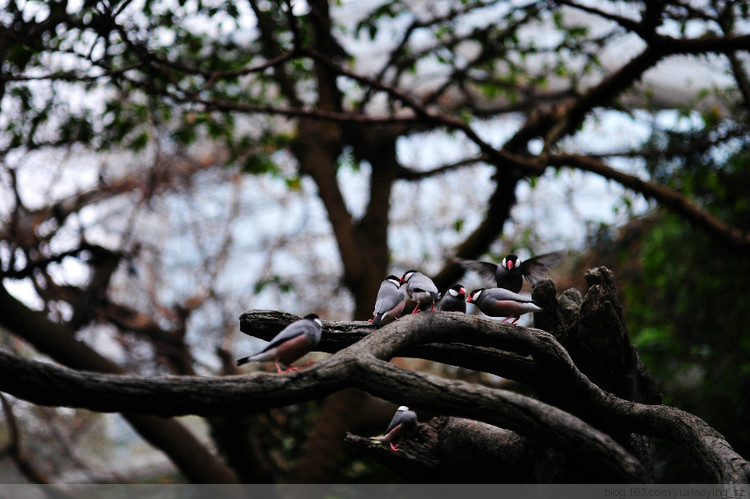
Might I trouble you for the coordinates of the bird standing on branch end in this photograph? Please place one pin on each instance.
(294, 341)
(403, 424)
(500, 302)
(512, 270)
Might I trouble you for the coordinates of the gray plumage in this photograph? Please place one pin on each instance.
(453, 300)
(420, 288)
(501, 302)
(512, 271)
(294, 341)
(402, 425)
(390, 301)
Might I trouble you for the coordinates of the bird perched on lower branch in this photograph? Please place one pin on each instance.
(294, 341)
(403, 425)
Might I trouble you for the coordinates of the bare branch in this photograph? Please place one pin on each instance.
(60, 343)
(362, 365)
(351, 367)
(411, 174)
(667, 197)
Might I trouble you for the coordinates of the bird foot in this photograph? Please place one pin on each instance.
(394, 447)
(291, 369)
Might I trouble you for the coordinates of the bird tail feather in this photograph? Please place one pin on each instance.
(260, 356)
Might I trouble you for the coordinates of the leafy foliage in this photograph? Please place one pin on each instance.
(689, 303)
(304, 94)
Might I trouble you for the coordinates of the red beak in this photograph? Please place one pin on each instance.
(509, 264)
(469, 300)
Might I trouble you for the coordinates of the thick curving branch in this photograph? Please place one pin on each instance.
(551, 367)
(170, 396)
(474, 353)
(59, 342)
(360, 366)
(364, 365)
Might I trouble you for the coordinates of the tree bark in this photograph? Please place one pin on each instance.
(590, 429)
(189, 455)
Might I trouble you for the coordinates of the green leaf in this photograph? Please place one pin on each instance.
(260, 164)
(139, 142)
(294, 183)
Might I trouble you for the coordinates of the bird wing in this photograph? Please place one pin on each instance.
(387, 299)
(420, 282)
(486, 269)
(502, 294)
(293, 330)
(394, 422)
(535, 269)
(409, 419)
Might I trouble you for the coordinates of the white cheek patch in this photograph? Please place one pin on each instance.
(318, 322)
(453, 292)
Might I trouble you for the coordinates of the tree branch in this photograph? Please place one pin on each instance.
(362, 365)
(665, 196)
(59, 342)
(352, 367)
(456, 450)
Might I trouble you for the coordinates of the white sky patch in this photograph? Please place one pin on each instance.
(279, 233)
(24, 291)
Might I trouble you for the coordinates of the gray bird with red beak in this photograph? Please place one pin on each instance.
(500, 302)
(453, 300)
(420, 288)
(512, 271)
(294, 341)
(403, 425)
(390, 301)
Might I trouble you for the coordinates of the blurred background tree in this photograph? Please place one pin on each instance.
(685, 293)
(168, 165)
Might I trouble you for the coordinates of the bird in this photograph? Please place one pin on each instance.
(512, 270)
(501, 302)
(453, 300)
(390, 301)
(294, 341)
(420, 288)
(403, 424)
